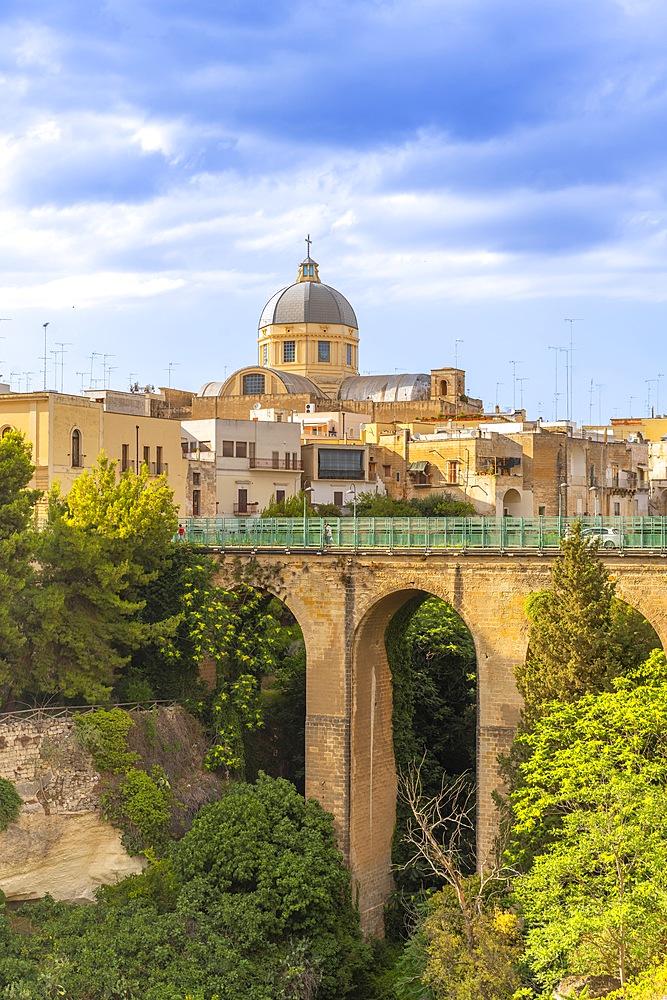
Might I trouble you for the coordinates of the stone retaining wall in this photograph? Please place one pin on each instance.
(44, 761)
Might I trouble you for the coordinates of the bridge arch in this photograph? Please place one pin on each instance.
(373, 777)
(634, 592)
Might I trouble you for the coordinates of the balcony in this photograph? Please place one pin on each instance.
(249, 507)
(275, 463)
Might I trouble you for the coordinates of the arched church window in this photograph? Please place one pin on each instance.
(76, 449)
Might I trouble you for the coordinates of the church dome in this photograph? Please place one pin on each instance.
(308, 302)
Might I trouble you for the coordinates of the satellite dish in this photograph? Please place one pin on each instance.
(257, 406)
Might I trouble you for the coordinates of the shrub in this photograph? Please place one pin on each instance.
(10, 803)
(104, 736)
(140, 807)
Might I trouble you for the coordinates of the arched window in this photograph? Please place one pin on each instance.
(443, 387)
(76, 449)
(6, 430)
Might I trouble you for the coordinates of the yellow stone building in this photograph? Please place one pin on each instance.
(68, 433)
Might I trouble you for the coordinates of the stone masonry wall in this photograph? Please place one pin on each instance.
(58, 844)
(50, 771)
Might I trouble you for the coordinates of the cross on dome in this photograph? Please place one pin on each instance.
(308, 267)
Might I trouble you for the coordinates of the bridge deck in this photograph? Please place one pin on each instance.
(536, 534)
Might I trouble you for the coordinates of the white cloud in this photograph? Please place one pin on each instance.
(87, 290)
(46, 131)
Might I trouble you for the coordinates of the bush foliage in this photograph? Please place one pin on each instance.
(10, 803)
(255, 902)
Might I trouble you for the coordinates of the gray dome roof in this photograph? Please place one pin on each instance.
(308, 302)
(386, 388)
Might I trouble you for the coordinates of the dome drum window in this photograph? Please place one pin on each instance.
(253, 384)
(289, 351)
(324, 350)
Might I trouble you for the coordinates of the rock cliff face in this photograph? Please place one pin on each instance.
(59, 844)
(67, 855)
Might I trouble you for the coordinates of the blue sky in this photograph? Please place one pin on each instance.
(469, 170)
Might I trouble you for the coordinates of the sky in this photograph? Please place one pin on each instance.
(473, 173)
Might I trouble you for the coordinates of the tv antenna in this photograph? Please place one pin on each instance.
(46, 353)
(62, 345)
(105, 369)
(514, 380)
(571, 380)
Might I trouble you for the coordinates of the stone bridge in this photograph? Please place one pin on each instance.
(343, 603)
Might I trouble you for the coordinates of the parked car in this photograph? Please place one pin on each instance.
(609, 538)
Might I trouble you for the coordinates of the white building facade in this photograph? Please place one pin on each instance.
(235, 467)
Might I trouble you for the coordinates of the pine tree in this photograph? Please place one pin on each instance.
(574, 646)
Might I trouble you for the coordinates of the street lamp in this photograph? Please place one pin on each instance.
(594, 491)
(306, 489)
(353, 490)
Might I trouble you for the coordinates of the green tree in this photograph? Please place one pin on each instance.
(430, 505)
(381, 505)
(453, 961)
(289, 507)
(168, 668)
(136, 513)
(16, 549)
(278, 747)
(79, 622)
(262, 866)
(231, 630)
(590, 821)
(442, 505)
(101, 546)
(573, 642)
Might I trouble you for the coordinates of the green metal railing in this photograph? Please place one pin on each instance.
(424, 533)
